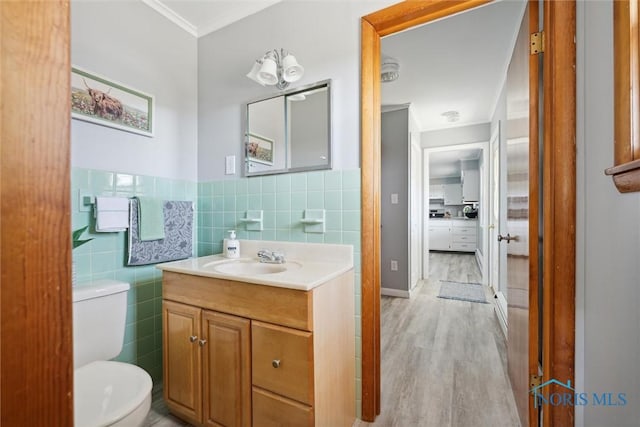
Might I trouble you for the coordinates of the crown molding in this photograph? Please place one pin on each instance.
(168, 13)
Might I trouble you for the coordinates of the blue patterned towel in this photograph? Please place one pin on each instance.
(178, 239)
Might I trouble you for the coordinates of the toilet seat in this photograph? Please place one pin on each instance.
(107, 392)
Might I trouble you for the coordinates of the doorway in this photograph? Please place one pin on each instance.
(559, 187)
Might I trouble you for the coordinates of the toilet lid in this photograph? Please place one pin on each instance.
(105, 392)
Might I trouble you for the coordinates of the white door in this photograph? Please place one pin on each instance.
(497, 222)
(415, 210)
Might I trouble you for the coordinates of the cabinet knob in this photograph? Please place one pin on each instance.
(202, 343)
(193, 338)
(275, 363)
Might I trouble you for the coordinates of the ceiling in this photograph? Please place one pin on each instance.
(446, 164)
(454, 64)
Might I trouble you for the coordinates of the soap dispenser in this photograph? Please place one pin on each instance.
(232, 246)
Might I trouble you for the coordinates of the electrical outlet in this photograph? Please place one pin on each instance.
(394, 198)
(394, 265)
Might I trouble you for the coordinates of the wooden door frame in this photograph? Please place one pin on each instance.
(559, 178)
(36, 364)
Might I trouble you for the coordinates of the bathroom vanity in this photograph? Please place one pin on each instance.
(247, 343)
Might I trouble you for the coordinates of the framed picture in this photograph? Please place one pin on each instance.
(105, 102)
(259, 149)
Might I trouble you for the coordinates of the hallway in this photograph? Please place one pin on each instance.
(443, 361)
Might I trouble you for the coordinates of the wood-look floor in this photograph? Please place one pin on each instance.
(443, 361)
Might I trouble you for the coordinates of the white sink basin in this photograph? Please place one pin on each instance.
(252, 267)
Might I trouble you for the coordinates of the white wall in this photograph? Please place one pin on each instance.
(129, 42)
(456, 135)
(323, 36)
(608, 237)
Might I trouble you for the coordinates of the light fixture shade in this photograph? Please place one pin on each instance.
(389, 70)
(269, 71)
(291, 70)
(253, 74)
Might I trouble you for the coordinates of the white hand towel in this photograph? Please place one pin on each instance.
(112, 214)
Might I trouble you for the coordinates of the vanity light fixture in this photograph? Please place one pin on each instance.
(276, 67)
(389, 70)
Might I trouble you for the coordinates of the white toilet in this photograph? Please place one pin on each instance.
(105, 393)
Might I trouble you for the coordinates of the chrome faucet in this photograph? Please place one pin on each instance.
(271, 257)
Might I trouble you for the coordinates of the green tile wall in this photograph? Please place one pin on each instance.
(283, 198)
(219, 206)
(104, 257)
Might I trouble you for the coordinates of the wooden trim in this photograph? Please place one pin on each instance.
(409, 14)
(534, 206)
(36, 367)
(559, 165)
(626, 176)
(559, 183)
(387, 21)
(626, 94)
(370, 158)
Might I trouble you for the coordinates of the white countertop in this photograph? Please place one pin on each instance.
(312, 264)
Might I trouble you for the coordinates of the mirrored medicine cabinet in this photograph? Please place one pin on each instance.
(290, 131)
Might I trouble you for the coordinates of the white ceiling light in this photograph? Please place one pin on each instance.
(452, 116)
(277, 68)
(389, 70)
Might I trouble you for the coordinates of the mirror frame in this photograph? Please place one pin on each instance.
(626, 58)
(286, 93)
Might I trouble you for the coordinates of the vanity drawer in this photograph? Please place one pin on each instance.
(282, 360)
(272, 410)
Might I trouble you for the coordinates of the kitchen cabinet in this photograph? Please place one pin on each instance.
(470, 185)
(439, 235)
(241, 354)
(436, 191)
(457, 235)
(452, 194)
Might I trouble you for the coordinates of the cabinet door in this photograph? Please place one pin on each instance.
(436, 191)
(471, 186)
(453, 194)
(182, 362)
(226, 370)
(439, 238)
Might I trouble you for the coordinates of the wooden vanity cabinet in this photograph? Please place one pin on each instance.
(262, 356)
(207, 365)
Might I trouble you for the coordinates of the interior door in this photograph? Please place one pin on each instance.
(521, 129)
(498, 222)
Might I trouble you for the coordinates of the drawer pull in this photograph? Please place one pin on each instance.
(202, 343)
(275, 363)
(193, 338)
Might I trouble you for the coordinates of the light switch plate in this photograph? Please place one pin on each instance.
(230, 165)
(394, 198)
(394, 265)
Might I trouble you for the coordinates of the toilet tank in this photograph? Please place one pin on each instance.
(99, 316)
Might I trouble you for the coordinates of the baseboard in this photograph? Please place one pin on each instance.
(478, 259)
(395, 293)
(500, 305)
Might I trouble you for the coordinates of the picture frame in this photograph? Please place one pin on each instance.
(259, 149)
(97, 99)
